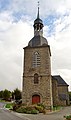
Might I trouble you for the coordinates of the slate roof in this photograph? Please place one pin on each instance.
(38, 20)
(37, 41)
(60, 80)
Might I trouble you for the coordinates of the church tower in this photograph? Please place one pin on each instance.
(37, 84)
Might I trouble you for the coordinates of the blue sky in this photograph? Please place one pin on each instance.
(4, 4)
(16, 29)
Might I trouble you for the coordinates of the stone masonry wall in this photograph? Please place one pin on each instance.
(63, 90)
(44, 87)
(55, 92)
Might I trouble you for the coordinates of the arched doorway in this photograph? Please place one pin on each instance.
(35, 99)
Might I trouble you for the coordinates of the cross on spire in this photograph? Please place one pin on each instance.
(38, 4)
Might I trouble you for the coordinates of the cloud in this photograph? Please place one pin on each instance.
(13, 37)
(16, 29)
(60, 43)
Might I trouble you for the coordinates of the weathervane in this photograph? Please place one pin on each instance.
(38, 4)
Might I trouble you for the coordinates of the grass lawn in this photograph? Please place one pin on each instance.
(2, 100)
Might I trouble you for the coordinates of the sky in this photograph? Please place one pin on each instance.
(16, 30)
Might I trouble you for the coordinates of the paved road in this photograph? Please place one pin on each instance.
(2, 104)
(52, 116)
(9, 115)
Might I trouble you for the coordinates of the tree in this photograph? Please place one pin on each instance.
(1, 94)
(13, 96)
(6, 94)
(17, 94)
(70, 96)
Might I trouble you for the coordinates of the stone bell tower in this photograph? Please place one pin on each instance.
(37, 84)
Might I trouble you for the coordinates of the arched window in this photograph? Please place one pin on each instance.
(36, 59)
(36, 81)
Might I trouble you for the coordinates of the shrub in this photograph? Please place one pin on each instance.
(30, 109)
(56, 108)
(42, 105)
(9, 106)
(44, 111)
(68, 117)
(39, 108)
(34, 111)
(21, 110)
(15, 107)
(28, 112)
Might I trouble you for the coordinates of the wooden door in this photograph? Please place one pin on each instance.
(35, 99)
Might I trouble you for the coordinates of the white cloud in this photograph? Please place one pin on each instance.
(14, 35)
(61, 48)
(13, 38)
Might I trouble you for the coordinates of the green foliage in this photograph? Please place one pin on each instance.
(21, 110)
(15, 107)
(34, 111)
(12, 94)
(1, 94)
(27, 110)
(56, 108)
(70, 96)
(39, 108)
(17, 94)
(9, 106)
(6, 94)
(68, 117)
(30, 109)
(41, 104)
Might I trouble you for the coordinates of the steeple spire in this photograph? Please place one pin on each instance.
(38, 25)
(38, 39)
(38, 10)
